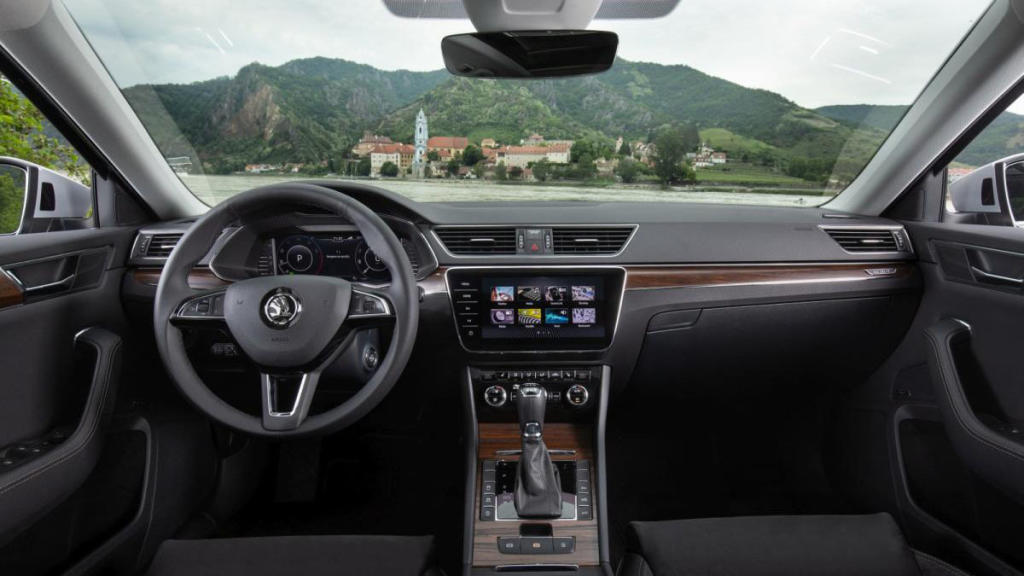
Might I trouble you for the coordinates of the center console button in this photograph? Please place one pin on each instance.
(535, 545)
(487, 514)
(508, 545)
(564, 545)
(584, 513)
(495, 396)
(577, 395)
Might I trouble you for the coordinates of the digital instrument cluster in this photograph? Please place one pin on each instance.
(340, 254)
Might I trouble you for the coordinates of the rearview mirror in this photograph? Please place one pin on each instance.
(529, 54)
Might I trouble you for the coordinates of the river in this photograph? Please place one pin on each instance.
(213, 189)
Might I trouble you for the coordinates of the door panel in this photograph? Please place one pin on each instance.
(960, 450)
(60, 320)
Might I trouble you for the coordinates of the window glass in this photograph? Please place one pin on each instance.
(743, 101)
(987, 177)
(26, 135)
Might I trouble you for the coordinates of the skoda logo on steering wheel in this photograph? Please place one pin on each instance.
(280, 309)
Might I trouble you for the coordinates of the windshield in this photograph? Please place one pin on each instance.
(722, 101)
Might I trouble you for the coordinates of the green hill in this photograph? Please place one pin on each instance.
(313, 110)
(1003, 137)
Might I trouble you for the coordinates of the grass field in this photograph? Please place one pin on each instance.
(749, 174)
(734, 144)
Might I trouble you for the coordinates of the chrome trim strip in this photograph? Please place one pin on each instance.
(618, 313)
(881, 265)
(625, 244)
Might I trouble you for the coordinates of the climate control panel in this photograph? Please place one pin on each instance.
(570, 390)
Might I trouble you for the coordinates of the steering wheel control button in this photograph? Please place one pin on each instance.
(495, 396)
(210, 306)
(371, 358)
(577, 395)
(280, 309)
(364, 305)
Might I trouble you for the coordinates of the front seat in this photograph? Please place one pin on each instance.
(296, 555)
(776, 546)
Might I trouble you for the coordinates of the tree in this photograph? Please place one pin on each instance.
(479, 170)
(628, 169)
(389, 169)
(670, 147)
(542, 169)
(592, 148)
(363, 168)
(471, 155)
(453, 167)
(625, 151)
(500, 172)
(433, 156)
(515, 173)
(22, 136)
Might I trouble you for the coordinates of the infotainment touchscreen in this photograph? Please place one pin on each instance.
(542, 307)
(498, 309)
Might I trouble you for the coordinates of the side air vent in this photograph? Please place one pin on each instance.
(472, 241)
(859, 240)
(160, 245)
(590, 240)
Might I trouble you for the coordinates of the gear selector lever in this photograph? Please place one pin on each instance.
(538, 487)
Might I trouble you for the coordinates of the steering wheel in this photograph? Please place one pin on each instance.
(291, 327)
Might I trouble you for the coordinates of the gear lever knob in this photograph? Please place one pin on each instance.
(530, 405)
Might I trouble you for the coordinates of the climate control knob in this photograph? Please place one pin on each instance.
(495, 396)
(577, 395)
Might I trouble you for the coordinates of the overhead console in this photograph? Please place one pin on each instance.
(557, 308)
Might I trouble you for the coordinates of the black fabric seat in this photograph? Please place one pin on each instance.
(296, 556)
(775, 546)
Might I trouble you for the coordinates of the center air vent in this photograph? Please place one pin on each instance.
(858, 240)
(160, 245)
(591, 240)
(474, 241)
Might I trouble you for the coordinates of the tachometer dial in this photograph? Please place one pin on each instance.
(299, 255)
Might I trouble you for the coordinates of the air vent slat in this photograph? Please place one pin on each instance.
(478, 241)
(866, 239)
(161, 245)
(584, 240)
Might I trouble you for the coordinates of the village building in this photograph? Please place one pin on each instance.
(368, 142)
(488, 143)
(451, 144)
(400, 154)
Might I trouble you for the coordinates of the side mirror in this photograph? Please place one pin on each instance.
(36, 199)
(529, 54)
(13, 192)
(994, 192)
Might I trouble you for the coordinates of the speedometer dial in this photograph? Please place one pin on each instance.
(299, 255)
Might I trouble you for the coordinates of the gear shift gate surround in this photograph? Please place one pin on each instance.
(505, 488)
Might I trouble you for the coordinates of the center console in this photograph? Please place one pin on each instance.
(574, 405)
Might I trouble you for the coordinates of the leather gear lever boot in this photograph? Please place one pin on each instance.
(538, 486)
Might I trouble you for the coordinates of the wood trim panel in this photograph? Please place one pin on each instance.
(198, 278)
(557, 436)
(10, 292)
(644, 277)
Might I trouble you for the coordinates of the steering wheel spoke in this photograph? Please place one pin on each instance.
(203, 308)
(286, 398)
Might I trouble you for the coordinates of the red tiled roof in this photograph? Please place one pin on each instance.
(448, 142)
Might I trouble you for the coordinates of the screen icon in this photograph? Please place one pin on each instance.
(502, 316)
(529, 316)
(556, 316)
(529, 294)
(582, 293)
(555, 294)
(503, 294)
(584, 315)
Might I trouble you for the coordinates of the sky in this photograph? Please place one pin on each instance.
(814, 52)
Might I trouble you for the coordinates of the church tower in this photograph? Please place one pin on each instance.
(419, 158)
